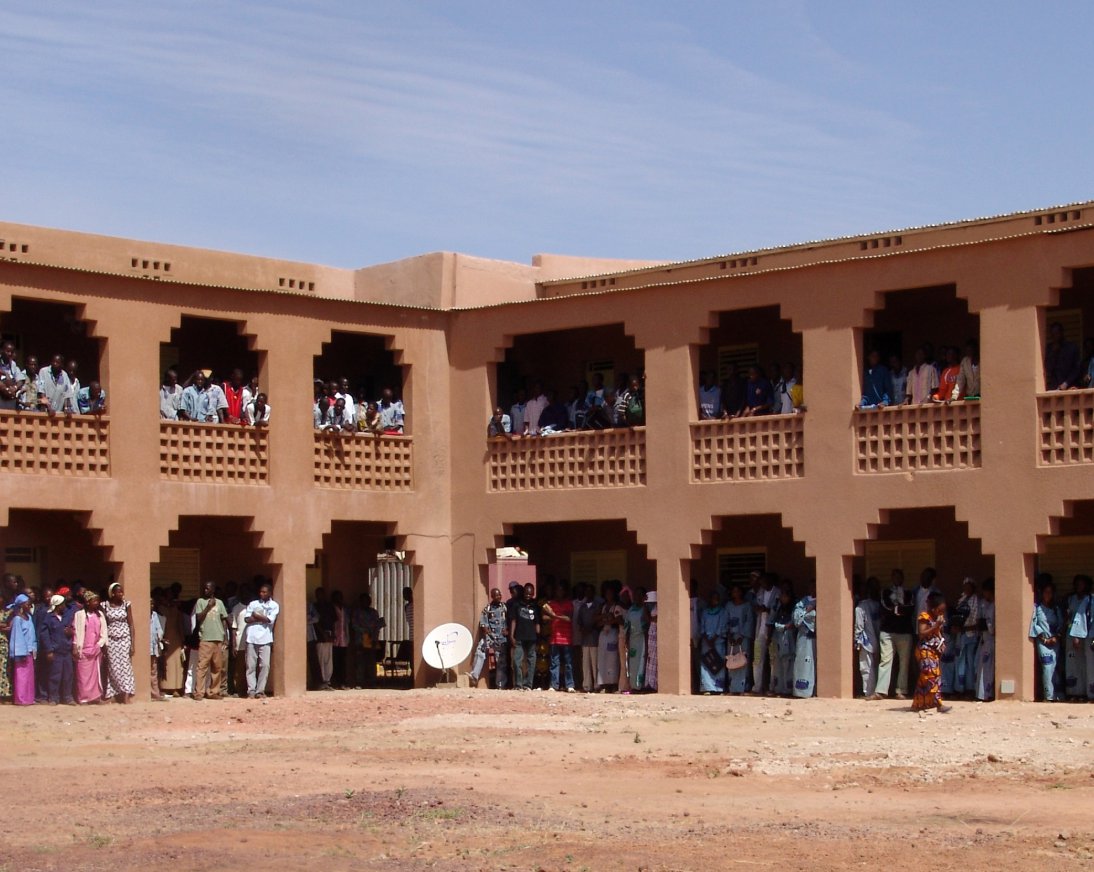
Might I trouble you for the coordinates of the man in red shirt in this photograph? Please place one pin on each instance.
(238, 396)
(947, 382)
(560, 611)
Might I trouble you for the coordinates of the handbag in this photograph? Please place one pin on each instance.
(736, 657)
(711, 660)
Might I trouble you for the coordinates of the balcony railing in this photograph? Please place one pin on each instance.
(1067, 427)
(215, 453)
(55, 445)
(364, 462)
(748, 449)
(581, 459)
(918, 438)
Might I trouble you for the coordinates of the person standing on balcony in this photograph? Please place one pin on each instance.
(12, 378)
(192, 398)
(517, 413)
(351, 406)
(1044, 630)
(91, 400)
(759, 395)
(951, 373)
(257, 412)
(27, 398)
(784, 391)
(733, 393)
(578, 407)
(968, 379)
(368, 420)
(214, 408)
(391, 413)
(236, 397)
(170, 396)
(898, 375)
(895, 639)
(555, 418)
(877, 386)
(710, 397)
(922, 380)
(534, 409)
(212, 628)
(1061, 361)
(55, 392)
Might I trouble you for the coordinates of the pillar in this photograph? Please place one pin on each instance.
(1014, 658)
(673, 626)
(835, 609)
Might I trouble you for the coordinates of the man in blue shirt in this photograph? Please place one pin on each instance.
(759, 395)
(877, 385)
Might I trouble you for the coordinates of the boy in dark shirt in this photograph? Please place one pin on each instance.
(524, 623)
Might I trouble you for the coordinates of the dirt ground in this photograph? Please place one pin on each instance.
(459, 779)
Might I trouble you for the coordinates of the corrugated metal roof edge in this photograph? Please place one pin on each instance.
(213, 285)
(790, 267)
(832, 240)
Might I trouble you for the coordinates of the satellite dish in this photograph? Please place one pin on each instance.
(447, 646)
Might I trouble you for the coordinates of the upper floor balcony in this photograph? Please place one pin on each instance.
(573, 459)
(214, 453)
(73, 445)
(763, 448)
(917, 438)
(364, 462)
(1066, 432)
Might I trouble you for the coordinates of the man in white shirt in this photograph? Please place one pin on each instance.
(533, 409)
(170, 396)
(257, 412)
(391, 413)
(766, 597)
(12, 377)
(351, 406)
(55, 392)
(784, 403)
(214, 405)
(259, 617)
(517, 412)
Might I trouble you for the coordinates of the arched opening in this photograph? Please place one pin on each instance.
(1066, 559)
(214, 349)
(757, 555)
(223, 550)
(1068, 335)
(929, 323)
(582, 374)
(746, 338)
(926, 549)
(361, 609)
(571, 563)
(359, 367)
(50, 551)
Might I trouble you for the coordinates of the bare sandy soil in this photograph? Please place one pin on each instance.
(457, 780)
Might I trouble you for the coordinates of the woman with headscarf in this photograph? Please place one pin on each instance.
(637, 621)
(607, 660)
(740, 632)
(119, 645)
(23, 650)
(7, 612)
(713, 626)
(928, 654)
(651, 642)
(87, 648)
(805, 651)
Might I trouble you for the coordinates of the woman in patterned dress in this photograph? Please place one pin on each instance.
(8, 591)
(119, 646)
(928, 654)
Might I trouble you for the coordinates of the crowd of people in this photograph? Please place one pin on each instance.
(909, 642)
(540, 412)
(336, 413)
(204, 399)
(601, 640)
(74, 645)
(344, 644)
(953, 377)
(1062, 632)
(750, 393)
(53, 389)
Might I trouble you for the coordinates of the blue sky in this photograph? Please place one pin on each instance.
(357, 132)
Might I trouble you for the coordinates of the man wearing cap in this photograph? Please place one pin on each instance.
(56, 644)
